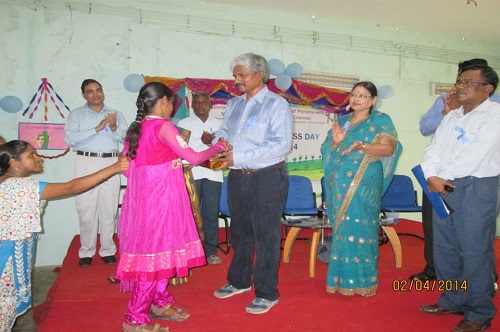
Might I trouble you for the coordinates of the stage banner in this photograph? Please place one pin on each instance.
(310, 128)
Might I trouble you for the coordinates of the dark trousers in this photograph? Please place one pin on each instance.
(429, 269)
(209, 196)
(256, 202)
(464, 248)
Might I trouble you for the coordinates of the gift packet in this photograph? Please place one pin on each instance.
(213, 163)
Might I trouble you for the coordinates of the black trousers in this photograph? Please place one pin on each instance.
(256, 202)
(429, 269)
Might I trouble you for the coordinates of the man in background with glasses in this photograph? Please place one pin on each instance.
(464, 154)
(428, 125)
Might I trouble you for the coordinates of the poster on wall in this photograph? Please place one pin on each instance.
(43, 136)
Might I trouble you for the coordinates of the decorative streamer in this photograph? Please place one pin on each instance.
(45, 91)
(55, 157)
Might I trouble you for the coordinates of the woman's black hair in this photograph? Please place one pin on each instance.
(148, 96)
(372, 89)
(9, 150)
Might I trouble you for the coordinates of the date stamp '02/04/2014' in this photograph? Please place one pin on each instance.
(406, 285)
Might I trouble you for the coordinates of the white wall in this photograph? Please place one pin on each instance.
(67, 42)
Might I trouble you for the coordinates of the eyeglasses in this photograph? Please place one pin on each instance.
(469, 83)
(360, 96)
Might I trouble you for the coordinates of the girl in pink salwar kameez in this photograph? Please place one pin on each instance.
(158, 236)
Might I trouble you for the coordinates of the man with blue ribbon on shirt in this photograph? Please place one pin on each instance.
(464, 241)
(428, 125)
(94, 132)
(259, 127)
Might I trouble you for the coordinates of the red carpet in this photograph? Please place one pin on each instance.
(83, 300)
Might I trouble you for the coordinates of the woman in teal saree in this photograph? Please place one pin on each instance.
(359, 158)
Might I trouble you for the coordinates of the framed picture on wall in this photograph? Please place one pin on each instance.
(43, 136)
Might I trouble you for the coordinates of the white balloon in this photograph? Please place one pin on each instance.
(378, 104)
(294, 70)
(276, 67)
(386, 91)
(133, 82)
(283, 82)
(11, 104)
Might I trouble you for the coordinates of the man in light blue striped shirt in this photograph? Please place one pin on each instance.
(94, 131)
(259, 127)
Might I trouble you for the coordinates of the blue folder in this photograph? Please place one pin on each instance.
(436, 200)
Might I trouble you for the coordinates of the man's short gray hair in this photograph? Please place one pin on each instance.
(254, 62)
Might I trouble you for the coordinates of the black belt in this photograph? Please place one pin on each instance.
(249, 170)
(97, 154)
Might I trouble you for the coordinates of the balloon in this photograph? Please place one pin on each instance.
(378, 104)
(11, 104)
(133, 82)
(294, 70)
(276, 67)
(283, 82)
(385, 91)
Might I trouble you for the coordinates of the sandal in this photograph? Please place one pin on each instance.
(144, 328)
(113, 280)
(168, 312)
(214, 259)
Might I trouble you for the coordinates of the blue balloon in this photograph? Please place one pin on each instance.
(11, 104)
(385, 91)
(283, 82)
(294, 70)
(276, 67)
(133, 82)
(378, 104)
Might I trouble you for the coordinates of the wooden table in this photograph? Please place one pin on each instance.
(317, 225)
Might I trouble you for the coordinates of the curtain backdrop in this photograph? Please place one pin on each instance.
(300, 93)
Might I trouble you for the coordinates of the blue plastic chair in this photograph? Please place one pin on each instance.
(400, 196)
(300, 200)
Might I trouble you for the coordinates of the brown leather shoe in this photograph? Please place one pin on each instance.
(469, 326)
(434, 309)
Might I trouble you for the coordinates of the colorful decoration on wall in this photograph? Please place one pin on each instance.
(11, 104)
(45, 92)
(43, 136)
(299, 93)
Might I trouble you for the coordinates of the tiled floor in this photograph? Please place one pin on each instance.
(43, 278)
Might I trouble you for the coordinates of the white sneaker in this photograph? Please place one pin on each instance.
(260, 306)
